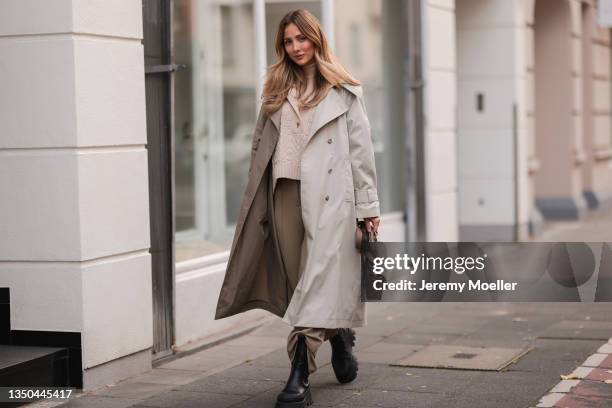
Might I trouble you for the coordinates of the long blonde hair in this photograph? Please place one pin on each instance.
(285, 74)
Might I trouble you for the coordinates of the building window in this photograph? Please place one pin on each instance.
(215, 112)
(215, 104)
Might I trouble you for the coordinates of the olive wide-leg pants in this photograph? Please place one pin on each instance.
(290, 231)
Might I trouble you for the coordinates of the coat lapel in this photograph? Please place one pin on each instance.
(327, 110)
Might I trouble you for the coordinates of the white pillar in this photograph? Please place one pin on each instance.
(440, 101)
(74, 217)
(491, 83)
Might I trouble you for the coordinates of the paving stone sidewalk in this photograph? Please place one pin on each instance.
(250, 371)
(569, 339)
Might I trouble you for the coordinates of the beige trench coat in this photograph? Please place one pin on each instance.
(338, 186)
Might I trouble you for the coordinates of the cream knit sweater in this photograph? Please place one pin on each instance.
(294, 127)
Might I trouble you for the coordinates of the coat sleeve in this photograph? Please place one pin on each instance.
(261, 120)
(362, 160)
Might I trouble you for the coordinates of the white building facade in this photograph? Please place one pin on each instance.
(534, 115)
(74, 249)
(479, 129)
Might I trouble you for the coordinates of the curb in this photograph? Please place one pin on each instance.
(590, 384)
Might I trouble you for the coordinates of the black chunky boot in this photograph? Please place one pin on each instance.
(296, 393)
(344, 361)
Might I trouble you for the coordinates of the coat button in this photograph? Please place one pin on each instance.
(326, 198)
(329, 141)
(329, 171)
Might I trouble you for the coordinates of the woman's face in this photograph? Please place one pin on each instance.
(299, 48)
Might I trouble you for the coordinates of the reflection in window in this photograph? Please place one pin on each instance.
(367, 44)
(214, 109)
(184, 177)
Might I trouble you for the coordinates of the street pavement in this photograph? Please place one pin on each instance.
(566, 360)
(250, 371)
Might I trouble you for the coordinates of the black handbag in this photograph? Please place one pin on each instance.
(363, 238)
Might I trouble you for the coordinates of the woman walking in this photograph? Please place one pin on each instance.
(312, 176)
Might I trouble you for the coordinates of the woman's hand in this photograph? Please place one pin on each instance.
(371, 224)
